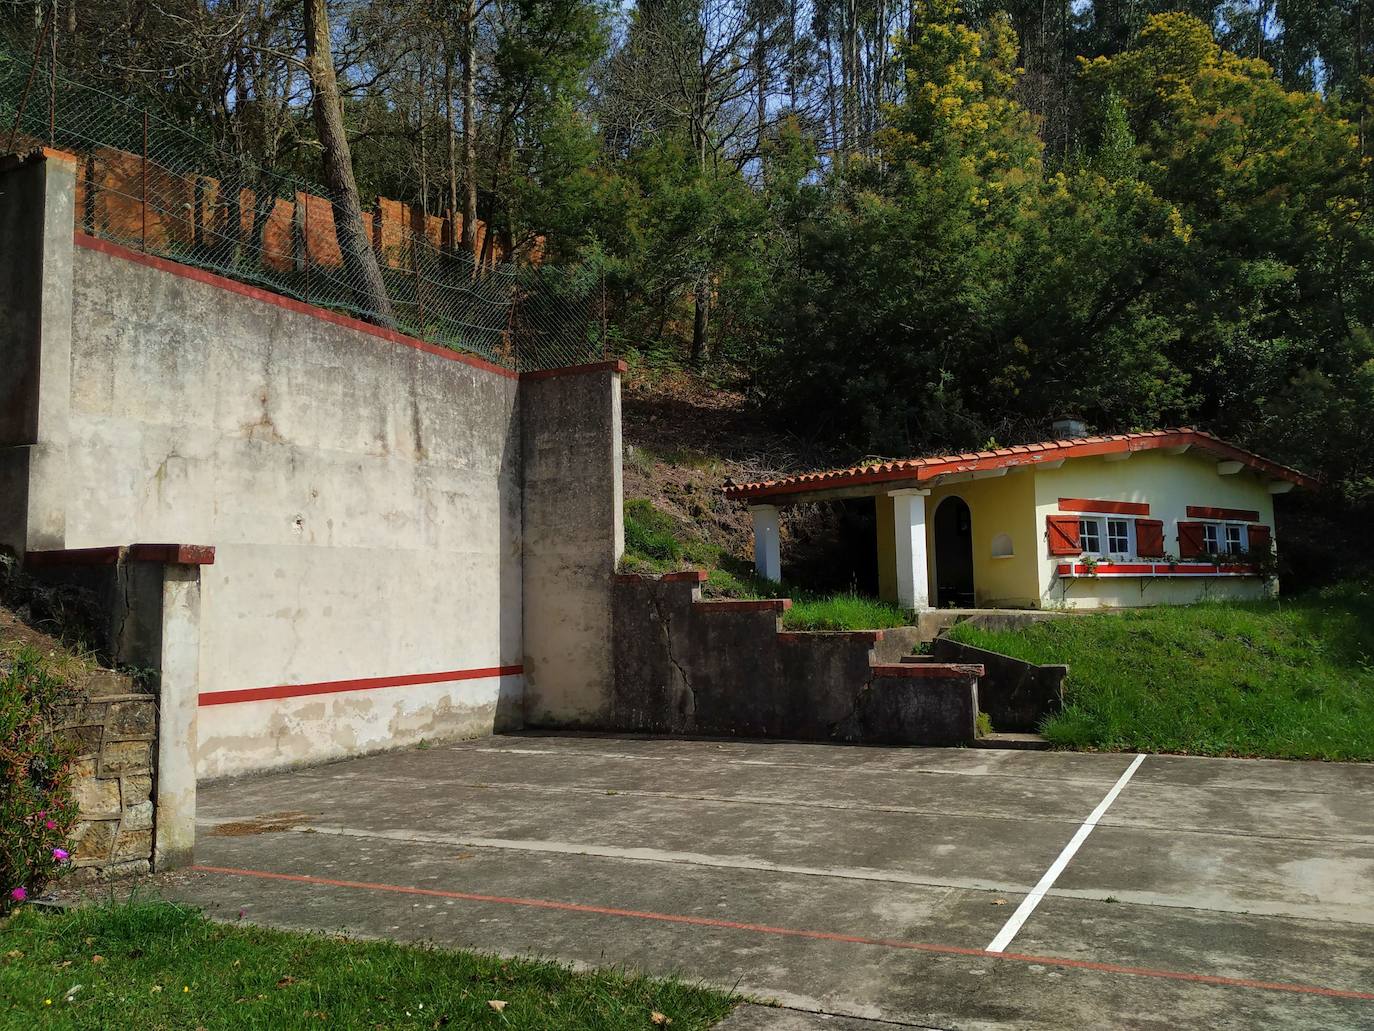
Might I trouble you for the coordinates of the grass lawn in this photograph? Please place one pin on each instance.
(841, 612)
(157, 965)
(1290, 679)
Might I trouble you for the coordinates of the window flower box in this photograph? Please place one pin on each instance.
(1085, 570)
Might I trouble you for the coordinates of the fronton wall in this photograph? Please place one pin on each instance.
(365, 492)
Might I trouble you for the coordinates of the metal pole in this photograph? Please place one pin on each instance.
(603, 314)
(145, 180)
(305, 232)
(419, 300)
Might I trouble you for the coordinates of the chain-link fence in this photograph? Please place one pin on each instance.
(155, 187)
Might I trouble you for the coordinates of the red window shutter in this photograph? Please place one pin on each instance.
(1190, 541)
(1149, 538)
(1259, 538)
(1062, 532)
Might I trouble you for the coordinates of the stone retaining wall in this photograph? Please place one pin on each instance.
(112, 726)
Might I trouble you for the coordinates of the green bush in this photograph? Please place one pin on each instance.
(37, 809)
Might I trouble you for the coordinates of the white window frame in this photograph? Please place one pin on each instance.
(1101, 525)
(1211, 538)
(1128, 547)
(1242, 538)
(1084, 522)
(1220, 544)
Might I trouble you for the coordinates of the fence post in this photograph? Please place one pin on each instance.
(604, 351)
(52, 91)
(419, 299)
(145, 180)
(305, 242)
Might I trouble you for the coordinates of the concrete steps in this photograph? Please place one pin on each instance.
(1016, 742)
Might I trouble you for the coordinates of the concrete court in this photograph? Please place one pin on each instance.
(845, 880)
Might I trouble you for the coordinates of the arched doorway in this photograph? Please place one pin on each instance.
(953, 554)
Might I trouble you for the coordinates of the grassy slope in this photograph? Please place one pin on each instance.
(684, 437)
(656, 543)
(165, 966)
(1289, 679)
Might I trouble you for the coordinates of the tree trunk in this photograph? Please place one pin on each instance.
(849, 73)
(469, 239)
(700, 322)
(452, 138)
(760, 79)
(360, 263)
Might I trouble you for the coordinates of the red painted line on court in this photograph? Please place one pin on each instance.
(793, 932)
(256, 694)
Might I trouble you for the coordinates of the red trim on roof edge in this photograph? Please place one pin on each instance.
(289, 303)
(921, 469)
(927, 670)
(761, 605)
(71, 557)
(174, 554)
(797, 636)
(171, 554)
(615, 365)
(695, 576)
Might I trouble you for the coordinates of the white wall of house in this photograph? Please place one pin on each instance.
(1168, 483)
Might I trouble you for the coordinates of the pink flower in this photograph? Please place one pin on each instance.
(19, 894)
(42, 813)
(50, 825)
(61, 854)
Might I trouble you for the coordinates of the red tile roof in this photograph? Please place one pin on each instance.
(920, 469)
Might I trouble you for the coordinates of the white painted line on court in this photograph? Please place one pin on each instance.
(1028, 904)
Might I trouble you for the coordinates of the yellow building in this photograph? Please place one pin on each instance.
(1168, 516)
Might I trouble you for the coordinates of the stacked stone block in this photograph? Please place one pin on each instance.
(112, 727)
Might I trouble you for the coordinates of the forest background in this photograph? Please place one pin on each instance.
(896, 226)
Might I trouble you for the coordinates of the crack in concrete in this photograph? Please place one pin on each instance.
(665, 623)
(835, 727)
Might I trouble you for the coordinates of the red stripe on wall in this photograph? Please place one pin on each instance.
(255, 694)
(1112, 507)
(1248, 515)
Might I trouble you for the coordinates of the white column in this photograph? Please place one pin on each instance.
(909, 524)
(174, 826)
(767, 552)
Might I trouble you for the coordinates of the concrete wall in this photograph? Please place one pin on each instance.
(574, 537)
(366, 493)
(1016, 695)
(1168, 484)
(364, 499)
(36, 207)
(688, 666)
